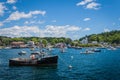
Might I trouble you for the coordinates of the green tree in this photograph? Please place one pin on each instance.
(44, 41)
(68, 40)
(35, 40)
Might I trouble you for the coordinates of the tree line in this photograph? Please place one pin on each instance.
(112, 37)
(6, 41)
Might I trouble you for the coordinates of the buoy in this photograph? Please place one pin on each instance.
(71, 57)
(69, 66)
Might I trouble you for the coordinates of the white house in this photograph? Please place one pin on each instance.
(30, 44)
(85, 41)
(94, 42)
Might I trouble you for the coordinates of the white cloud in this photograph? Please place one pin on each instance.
(60, 31)
(2, 9)
(54, 21)
(38, 12)
(34, 22)
(17, 31)
(1, 24)
(83, 2)
(86, 19)
(89, 4)
(106, 30)
(86, 29)
(18, 15)
(26, 22)
(48, 31)
(11, 1)
(41, 22)
(14, 7)
(93, 5)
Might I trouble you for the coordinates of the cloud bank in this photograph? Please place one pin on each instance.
(89, 4)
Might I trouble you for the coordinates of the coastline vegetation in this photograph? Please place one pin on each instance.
(112, 37)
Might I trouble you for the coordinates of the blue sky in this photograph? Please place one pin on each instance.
(58, 18)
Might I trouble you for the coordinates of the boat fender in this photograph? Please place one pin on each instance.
(70, 67)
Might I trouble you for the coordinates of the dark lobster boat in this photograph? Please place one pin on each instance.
(36, 59)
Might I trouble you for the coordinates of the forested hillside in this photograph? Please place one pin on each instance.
(4, 41)
(110, 37)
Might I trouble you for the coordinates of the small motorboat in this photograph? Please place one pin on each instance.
(87, 52)
(35, 59)
(77, 47)
(22, 53)
(96, 50)
(111, 48)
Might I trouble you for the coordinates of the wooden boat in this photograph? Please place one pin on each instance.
(36, 59)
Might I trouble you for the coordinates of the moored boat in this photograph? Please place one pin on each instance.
(96, 50)
(87, 52)
(38, 58)
(22, 53)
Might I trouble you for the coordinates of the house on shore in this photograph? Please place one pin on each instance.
(18, 44)
(30, 44)
(85, 41)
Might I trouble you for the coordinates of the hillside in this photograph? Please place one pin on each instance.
(112, 37)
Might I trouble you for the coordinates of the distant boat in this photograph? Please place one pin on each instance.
(78, 47)
(22, 53)
(7, 48)
(87, 52)
(111, 48)
(96, 50)
(63, 47)
(49, 47)
(32, 48)
(62, 50)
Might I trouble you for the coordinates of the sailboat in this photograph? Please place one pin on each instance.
(49, 47)
(62, 48)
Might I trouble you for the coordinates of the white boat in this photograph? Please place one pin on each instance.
(7, 48)
(22, 52)
(63, 48)
(87, 52)
(111, 48)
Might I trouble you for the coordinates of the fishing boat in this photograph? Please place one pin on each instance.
(35, 59)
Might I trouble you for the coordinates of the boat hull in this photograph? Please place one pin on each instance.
(46, 61)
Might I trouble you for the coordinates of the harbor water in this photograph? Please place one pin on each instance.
(72, 65)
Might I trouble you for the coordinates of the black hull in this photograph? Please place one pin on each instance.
(97, 51)
(47, 61)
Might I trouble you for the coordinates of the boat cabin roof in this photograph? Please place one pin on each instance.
(35, 53)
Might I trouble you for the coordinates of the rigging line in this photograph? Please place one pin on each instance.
(63, 61)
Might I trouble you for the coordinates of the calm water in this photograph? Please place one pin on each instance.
(98, 66)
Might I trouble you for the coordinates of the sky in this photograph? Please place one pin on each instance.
(58, 18)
